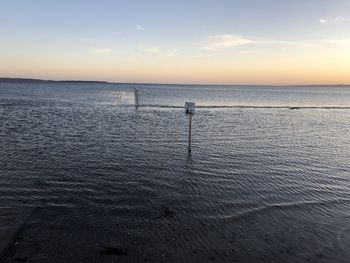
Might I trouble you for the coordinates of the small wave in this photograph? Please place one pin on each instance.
(123, 98)
(284, 206)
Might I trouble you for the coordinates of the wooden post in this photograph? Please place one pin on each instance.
(136, 93)
(189, 110)
(190, 134)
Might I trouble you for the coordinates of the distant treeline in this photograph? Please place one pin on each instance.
(23, 80)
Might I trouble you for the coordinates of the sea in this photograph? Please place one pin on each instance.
(86, 176)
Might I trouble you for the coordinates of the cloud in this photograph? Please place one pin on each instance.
(227, 41)
(144, 51)
(153, 50)
(223, 41)
(101, 51)
(289, 43)
(199, 56)
(333, 20)
(244, 52)
(338, 41)
(140, 28)
(323, 21)
(172, 53)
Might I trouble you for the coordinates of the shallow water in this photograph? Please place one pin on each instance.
(81, 171)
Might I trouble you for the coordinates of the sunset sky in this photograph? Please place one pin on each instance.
(202, 41)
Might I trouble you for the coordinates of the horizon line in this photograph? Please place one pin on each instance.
(30, 79)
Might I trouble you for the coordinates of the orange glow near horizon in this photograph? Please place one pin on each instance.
(260, 69)
(225, 42)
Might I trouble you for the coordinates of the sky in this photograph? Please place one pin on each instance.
(160, 41)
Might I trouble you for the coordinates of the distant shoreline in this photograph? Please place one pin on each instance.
(25, 80)
(30, 80)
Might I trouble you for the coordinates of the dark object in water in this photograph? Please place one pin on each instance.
(294, 108)
(112, 251)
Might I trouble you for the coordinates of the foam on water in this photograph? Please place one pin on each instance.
(123, 98)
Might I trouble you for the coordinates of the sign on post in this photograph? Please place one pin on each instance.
(189, 110)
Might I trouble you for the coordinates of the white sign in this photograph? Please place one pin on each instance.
(189, 108)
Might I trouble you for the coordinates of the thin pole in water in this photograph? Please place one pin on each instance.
(189, 110)
(136, 93)
(190, 134)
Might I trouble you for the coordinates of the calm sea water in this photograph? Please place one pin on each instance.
(85, 177)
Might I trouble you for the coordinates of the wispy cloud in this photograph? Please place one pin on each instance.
(153, 50)
(245, 52)
(288, 43)
(101, 51)
(158, 51)
(140, 28)
(199, 56)
(227, 41)
(333, 20)
(172, 53)
(338, 41)
(323, 21)
(222, 41)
